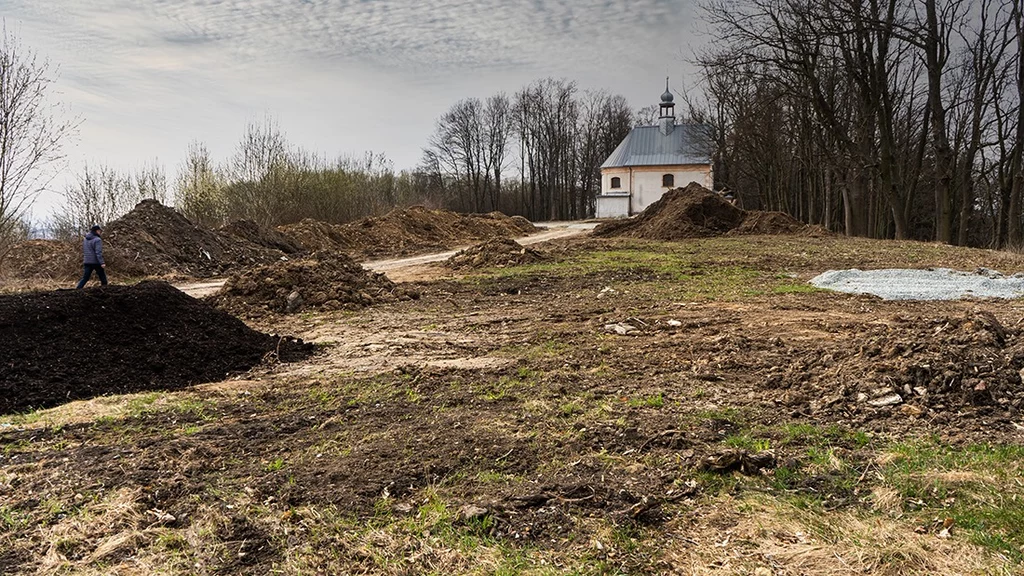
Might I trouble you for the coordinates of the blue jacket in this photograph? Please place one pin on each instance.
(92, 248)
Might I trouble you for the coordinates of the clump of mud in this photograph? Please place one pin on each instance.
(405, 231)
(908, 364)
(155, 240)
(262, 236)
(326, 279)
(77, 344)
(498, 253)
(696, 212)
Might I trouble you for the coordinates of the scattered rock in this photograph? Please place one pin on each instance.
(620, 328)
(887, 400)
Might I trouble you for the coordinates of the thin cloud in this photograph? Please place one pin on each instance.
(334, 71)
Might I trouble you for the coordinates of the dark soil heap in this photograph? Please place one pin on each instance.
(77, 344)
(154, 240)
(696, 212)
(50, 259)
(406, 230)
(261, 236)
(494, 253)
(317, 236)
(759, 222)
(327, 279)
(944, 363)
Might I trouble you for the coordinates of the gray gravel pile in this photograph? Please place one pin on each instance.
(931, 284)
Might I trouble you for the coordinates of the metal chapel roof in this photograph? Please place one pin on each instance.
(647, 146)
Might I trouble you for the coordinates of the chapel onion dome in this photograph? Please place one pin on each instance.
(667, 96)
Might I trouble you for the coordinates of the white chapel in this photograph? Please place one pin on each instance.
(652, 160)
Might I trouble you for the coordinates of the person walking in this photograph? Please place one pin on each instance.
(92, 259)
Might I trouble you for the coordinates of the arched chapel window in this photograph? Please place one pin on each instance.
(668, 180)
(616, 182)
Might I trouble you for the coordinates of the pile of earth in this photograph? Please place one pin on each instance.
(497, 253)
(326, 279)
(44, 259)
(77, 344)
(915, 364)
(262, 236)
(405, 231)
(696, 212)
(758, 222)
(155, 240)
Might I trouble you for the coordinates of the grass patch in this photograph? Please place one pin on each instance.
(653, 401)
(747, 442)
(980, 486)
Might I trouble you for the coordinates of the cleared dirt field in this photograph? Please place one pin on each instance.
(625, 407)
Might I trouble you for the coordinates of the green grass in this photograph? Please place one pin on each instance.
(672, 270)
(195, 407)
(808, 434)
(796, 289)
(506, 387)
(748, 442)
(979, 486)
(142, 404)
(653, 401)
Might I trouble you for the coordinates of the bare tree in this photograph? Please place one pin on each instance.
(257, 170)
(100, 195)
(198, 188)
(150, 181)
(32, 131)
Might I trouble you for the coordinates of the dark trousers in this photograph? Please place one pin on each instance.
(100, 272)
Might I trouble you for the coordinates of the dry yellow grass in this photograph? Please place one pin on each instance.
(762, 535)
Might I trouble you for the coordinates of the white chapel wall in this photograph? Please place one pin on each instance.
(647, 188)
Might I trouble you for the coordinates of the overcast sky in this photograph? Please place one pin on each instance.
(341, 77)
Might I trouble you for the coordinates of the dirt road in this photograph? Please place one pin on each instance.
(405, 269)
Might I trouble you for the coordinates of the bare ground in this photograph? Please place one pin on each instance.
(631, 408)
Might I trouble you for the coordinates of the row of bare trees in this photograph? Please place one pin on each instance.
(883, 118)
(102, 193)
(267, 180)
(537, 153)
(272, 182)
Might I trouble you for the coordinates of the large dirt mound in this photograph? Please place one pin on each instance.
(261, 236)
(327, 279)
(75, 344)
(406, 230)
(154, 240)
(318, 236)
(495, 253)
(690, 212)
(49, 259)
(696, 212)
